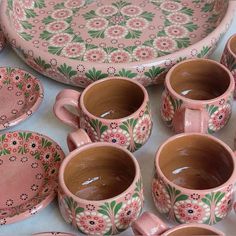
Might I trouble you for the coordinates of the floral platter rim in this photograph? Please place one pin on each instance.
(30, 109)
(50, 196)
(162, 62)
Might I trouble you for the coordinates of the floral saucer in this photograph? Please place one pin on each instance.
(29, 164)
(81, 41)
(2, 40)
(53, 234)
(20, 96)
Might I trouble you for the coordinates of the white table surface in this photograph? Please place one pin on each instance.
(44, 121)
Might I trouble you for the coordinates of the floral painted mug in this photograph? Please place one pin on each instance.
(194, 179)
(229, 57)
(150, 225)
(198, 96)
(115, 110)
(100, 186)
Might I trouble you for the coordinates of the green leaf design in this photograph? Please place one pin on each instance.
(181, 198)
(130, 49)
(147, 15)
(109, 232)
(103, 212)
(59, 6)
(161, 33)
(30, 13)
(55, 50)
(37, 155)
(3, 137)
(10, 4)
(67, 70)
(46, 35)
(39, 4)
(56, 157)
(205, 50)
(208, 7)
(183, 42)
(26, 36)
(113, 203)
(154, 72)
(126, 73)
(46, 143)
(94, 74)
(218, 196)
(129, 124)
(39, 61)
(191, 26)
(48, 20)
(97, 33)
(120, 4)
(117, 207)
(187, 11)
(90, 15)
(26, 25)
(148, 43)
(109, 50)
(206, 201)
(79, 210)
(133, 34)
(25, 135)
(98, 126)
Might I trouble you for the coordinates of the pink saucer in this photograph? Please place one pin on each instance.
(20, 96)
(2, 40)
(53, 234)
(29, 164)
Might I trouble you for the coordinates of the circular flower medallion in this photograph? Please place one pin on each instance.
(118, 136)
(128, 213)
(74, 3)
(178, 18)
(60, 40)
(106, 10)
(144, 53)
(131, 10)
(170, 6)
(142, 129)
(62, 14)
(224, 206)
(73, 50)
(93, 223)
(97, 23)
(220, 117)
(116, 32)
(160, 197)
(119, 56)
(57, 26)
(167, 109)
(95, 55)
(191, 211)
(176, 31)
(165, 44)
(137, 23)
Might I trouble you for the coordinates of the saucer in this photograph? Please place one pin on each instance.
(29, 164)
(20, 96)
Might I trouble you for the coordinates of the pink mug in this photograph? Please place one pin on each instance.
(198, 96)
(100, 186)
(150, 225)
(194, 178)
(229, 57)
(115, 110)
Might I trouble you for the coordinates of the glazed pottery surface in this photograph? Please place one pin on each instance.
(2, 40)
(150, 225)
(81, 41)
(29, 164)
(198, 96)
(115, 110)
(229, 57)
(20, 96)
(100, 186)
(194, 179)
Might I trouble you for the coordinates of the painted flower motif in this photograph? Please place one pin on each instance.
(3, 73)
(176, 31)
(117, 136)
(18, 75)
(171, 6)
(119, 56)
(191, 211)
(137, 23)
(80, 80)
(167, 109)
(131, 10)
(128, 213)
(18, 10)
(60, 40)
(144, 53)
(106, 10)
(74, 3)
(220, 117)
(95, 55)
(57, 26)
(161, 197)
(97, 23)
(73, 50)
(165, 44)
(61, 14)
(29, 4)
(116, 32)
(224, 206)
(93, 223)
(178, 18)
(142, 129)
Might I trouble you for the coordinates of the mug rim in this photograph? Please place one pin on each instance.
(201, 191)
(90, 115)
(194, 101)
(75, 152)
(188, 225)
(228, 46)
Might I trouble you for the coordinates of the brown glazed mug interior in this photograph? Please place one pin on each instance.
(199, 79)
(195, 162)
(99, 173)
(113, 99)
(232, 45)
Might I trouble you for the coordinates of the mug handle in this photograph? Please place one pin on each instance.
(67, 97)
(77, 139)
(149, 225)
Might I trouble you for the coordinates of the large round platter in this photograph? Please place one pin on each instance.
(81, 41)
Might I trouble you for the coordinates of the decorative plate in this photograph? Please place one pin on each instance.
(29, 164)
(20, 96)
(53, 234)
(2, 40)
(80, 41)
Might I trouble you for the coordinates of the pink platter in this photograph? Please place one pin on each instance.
(29, 164)
(20, 96)
(53, 234)
(80, 41)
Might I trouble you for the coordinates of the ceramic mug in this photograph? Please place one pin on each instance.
(150, 225)
(100, 187)
(194, 178)
(229, 57)
(198, 96)
(115, 110)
